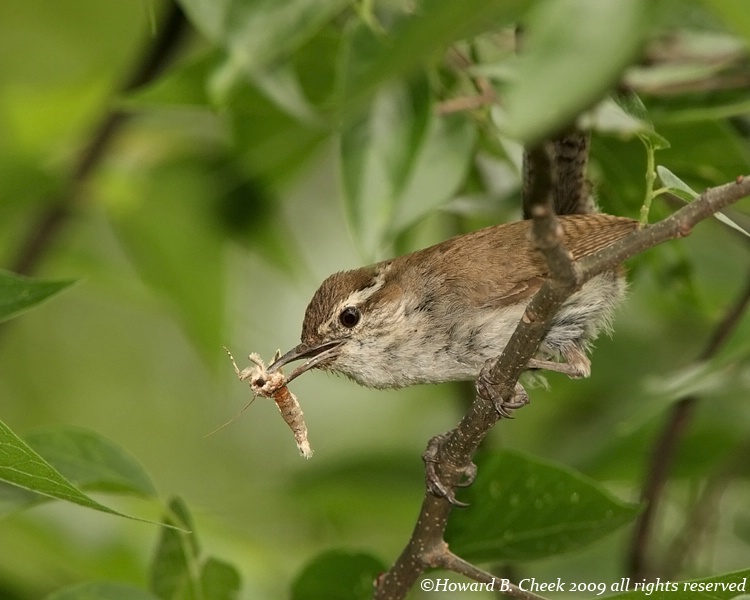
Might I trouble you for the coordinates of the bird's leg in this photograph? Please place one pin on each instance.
(434, 484)
(485, 387)
(576, 365)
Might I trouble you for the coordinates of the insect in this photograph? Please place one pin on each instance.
(273, 385)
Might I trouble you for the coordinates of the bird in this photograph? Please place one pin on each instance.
(440, 313)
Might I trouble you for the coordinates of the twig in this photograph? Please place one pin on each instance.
(449, 561)
(485, 97)
(45, 229)
(665, 448)
(455, 455)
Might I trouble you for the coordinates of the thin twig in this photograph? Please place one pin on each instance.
(449, 561)
(485, 97)
(486, 93)
(665, 448)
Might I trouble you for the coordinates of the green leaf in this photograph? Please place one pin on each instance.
(419, 38)
(256, 34)
(679, 188)
(219, 580)
(178, 570)
(269, 140)
(338, 575)
(21, 466)
(716, 587)
(573, 51)
(85, 459)
(675, 185)
(174, 566)
(102, 590)
(399, 161)
(185, 85)
(523, 508)
(610, 116)
(19, 293)
(90, 461)
(631, 118)
(439, 169)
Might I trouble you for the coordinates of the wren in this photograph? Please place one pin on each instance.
(440, 313)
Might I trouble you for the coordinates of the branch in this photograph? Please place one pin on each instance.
(448, 560)
(455, 455)
(665, 448)
(45, 229)
(486, 93)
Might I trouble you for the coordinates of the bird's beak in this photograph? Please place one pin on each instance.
(314, 355)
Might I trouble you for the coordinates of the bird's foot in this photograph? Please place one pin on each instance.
(435, 484)
(486, 389)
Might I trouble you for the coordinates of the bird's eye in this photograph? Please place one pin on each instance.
(349, 317)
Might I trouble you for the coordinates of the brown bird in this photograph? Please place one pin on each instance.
(440, 313)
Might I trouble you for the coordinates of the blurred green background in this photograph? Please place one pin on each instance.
(260, 160)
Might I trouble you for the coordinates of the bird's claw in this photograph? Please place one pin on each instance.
(486, 389)
(434, 483)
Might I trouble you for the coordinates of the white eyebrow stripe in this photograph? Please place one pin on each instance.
(358, 297)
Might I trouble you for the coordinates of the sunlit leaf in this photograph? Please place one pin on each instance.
(21, 466)
(675, 184)
(86, 459)
(91, 461)
(682, 190)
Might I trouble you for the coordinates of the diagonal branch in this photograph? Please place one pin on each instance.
(455, 455)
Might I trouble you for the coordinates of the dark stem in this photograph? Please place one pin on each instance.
(665, 448)
(47, 227)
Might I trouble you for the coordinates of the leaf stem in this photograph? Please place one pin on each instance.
(650, 180)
